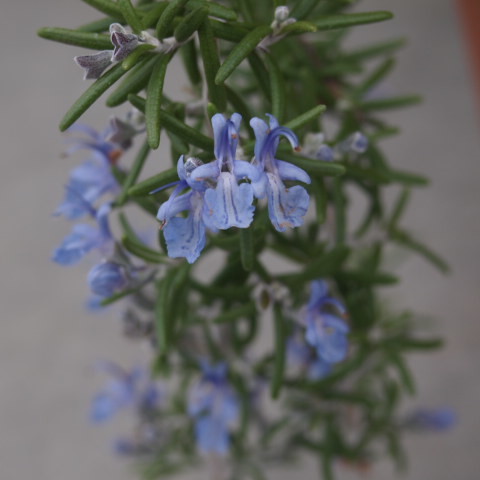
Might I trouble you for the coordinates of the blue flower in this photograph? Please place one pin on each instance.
(93, 179)
(355, 143)
(125, 389)
(433, 420)
(88, 182)
(303, 356)
(228, 204)
(326, 332)
(85, 237)
(215, 408)
(286, 206)
(185, 236)
(108, 278)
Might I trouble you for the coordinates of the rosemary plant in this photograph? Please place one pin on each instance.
(281, 132)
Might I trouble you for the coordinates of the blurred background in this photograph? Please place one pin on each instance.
(49, 343)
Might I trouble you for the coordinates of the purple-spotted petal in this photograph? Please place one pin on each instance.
(94, 65)
(230, 204)
(185, 237)
(286, 207)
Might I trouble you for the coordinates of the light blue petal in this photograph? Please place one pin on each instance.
(261, 130)
(288, 171)
(327, 334)
(230, 204)
(204, 172)
(218, 123)
(212, 435)
(174, 205)
(76, 245)
(243, 169)
(319, 291)
(319, 369)
(102, 220)
(185, 237)
(286, 207)
(236, 119)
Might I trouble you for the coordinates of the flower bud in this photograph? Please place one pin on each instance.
(108, 278)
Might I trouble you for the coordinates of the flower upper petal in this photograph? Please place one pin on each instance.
(288, 171)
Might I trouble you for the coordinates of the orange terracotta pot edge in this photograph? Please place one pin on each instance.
(470, 15)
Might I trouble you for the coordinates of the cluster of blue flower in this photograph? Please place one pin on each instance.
(88, 185)
(222, 192)
(324, 342)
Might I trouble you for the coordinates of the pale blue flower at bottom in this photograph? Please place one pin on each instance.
(186, 237)
(286, 206)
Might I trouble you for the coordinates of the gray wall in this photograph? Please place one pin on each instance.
(49, 343)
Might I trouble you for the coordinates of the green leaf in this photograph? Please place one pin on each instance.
(97, 26)
(133, 174)
(406, 240)
(306, 117)
(187, 133)
(403, 371)
(154, 100)
(247, 248)
(368, 278)
(331, 22)
(150, 18)
(188, 53)
(211, 64)
(136, 80)
(235, 313)
(372, 51)
(372, 175)
(399, 208)
(340, 212)
(375, 77)
(228, 31)
(407, 178)
(165, 21)
(131, 15)
(277, 88)
(260, 73)
(90, 95)
(214, 9)
(414, 344)
(95, 41)
(152, 183)
(135, 56)
(323, 266)
(389, 103)
(303, 8)
(313, 166)
(190, 23)
(106, 6)
(280, 348)
(321, 199)
(298, 28)
(241, 51)
(142, 251)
